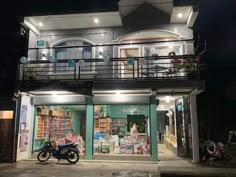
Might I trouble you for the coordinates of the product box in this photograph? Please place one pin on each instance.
(95, 148)
(105, 148)
(45, 111)
(123, 148)
(129, 149)
(137, 148)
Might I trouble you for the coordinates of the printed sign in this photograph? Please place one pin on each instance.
(24, 132)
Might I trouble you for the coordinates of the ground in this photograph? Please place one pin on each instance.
(168, 165)
(110, 169)
(81, 169)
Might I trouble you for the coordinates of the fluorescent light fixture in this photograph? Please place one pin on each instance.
(117, 92)
(54, 93)
(96, 20)
(180, 15)
(40, 24)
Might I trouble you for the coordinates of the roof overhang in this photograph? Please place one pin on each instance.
(73, 21)
(184, 15)
(180, 13)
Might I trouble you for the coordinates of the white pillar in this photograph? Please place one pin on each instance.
(194, 125)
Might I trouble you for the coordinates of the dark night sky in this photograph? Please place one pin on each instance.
(216, 24)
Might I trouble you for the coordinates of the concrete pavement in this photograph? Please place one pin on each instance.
(110, 169)
(82, 169)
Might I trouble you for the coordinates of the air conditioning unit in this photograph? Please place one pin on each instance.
(41, 44)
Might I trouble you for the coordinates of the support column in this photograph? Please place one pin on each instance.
(89, 129)
(194, 124)
(153, 127)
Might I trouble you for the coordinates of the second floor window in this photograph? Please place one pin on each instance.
(64, 52)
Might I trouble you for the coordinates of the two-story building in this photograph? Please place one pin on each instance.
(123, 81)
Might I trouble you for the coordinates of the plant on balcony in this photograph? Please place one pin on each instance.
(30, 73)
(186, 65)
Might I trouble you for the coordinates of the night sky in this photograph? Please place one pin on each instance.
(216, 24)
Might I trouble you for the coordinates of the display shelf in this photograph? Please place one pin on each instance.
(103, 124)
(49, 124)
(40, 130)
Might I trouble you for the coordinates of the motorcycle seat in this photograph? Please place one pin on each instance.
(60, 146)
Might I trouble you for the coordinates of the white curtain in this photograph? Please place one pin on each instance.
(72, 53)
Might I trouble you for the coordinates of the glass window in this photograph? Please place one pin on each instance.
(121, 129)
(62, 52)
(61, 124)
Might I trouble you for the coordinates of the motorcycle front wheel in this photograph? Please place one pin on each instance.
(43, 156)
(72, 156)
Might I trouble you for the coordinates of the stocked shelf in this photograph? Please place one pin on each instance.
(103, 124)
(57, 126)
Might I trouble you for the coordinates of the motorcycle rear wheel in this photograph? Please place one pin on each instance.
(72, 156)
(43, 156)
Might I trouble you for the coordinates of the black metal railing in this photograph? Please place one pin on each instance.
(156, 67)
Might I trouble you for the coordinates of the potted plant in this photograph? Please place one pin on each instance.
(187, 66)
(30, 73)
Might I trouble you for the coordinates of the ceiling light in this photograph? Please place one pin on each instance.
(180, 15)
(96, 20)
(40, 24)
(54, 94)
(161, 106)
(117, 92)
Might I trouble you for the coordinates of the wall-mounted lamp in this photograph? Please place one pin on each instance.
(100, 55)
(44, 57)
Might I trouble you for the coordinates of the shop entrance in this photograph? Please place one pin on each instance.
(174, 127)
(121, 131)
(61, 123)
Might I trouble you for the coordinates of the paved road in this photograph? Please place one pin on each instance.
(82, 169)
(110, 169)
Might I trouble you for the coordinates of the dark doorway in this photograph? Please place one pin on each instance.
(7, 139)
(161, 124)
(83, 125)
(183, 121)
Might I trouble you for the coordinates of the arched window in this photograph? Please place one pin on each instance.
(62, 52)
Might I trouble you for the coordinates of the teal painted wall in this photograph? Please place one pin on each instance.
(76, 122)
(89, 128)
(121, 111)
(153, 128)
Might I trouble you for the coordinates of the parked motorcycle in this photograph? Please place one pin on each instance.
(68, 151)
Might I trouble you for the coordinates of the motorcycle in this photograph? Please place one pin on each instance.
(68, 151)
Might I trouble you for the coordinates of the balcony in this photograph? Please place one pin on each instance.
(179, 67)
(131, 70)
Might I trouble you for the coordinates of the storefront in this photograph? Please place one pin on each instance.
(59, 123)
(101, 125)
(121, 129)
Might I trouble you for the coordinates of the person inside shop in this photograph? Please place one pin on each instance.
(136, 128)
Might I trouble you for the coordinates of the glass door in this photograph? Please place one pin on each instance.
(184, 130)
(128, 65)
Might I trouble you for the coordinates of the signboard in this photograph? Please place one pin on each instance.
(6, 114)
(24, 132)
